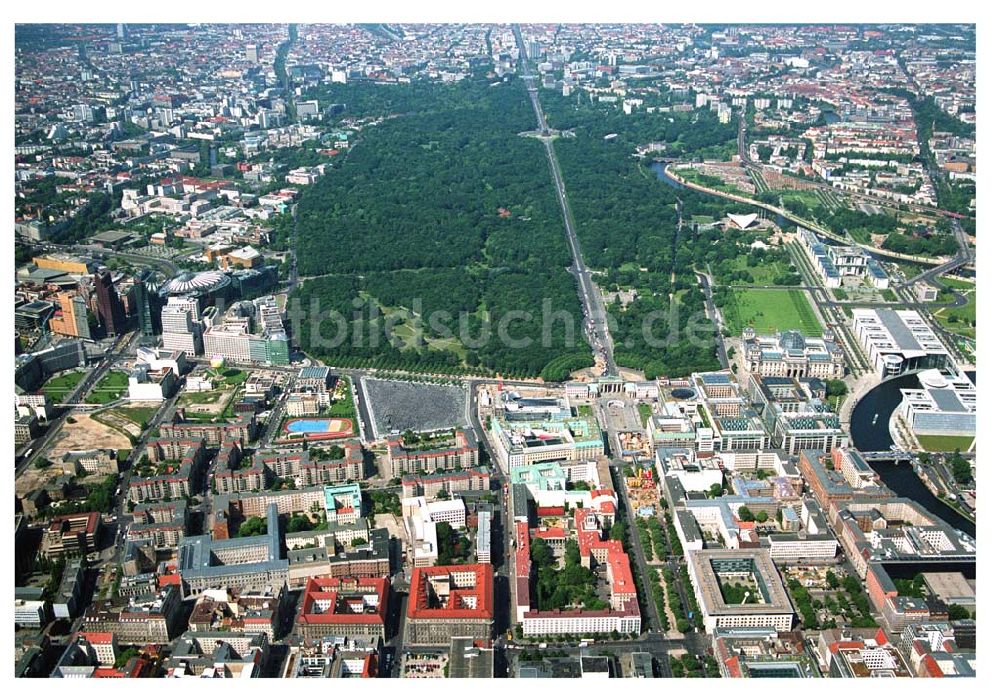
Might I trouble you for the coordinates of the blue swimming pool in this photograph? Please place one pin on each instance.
(308, 426)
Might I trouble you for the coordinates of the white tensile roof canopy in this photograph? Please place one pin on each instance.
(743, 221)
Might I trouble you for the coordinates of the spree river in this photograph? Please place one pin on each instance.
(878, 405)
(870, 427)
(780, 220)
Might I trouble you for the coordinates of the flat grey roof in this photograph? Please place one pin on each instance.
(947, 401)
(898, 330)
(704, 574)
(468, 661)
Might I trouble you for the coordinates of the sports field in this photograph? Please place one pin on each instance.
(318, 428)
(772, 310)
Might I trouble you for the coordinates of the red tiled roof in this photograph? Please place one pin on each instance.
(168, 579)
(417, 605)
(847, 644)
(97, 637)
(331, 588)
(881, 638)
(933, 668)
(620, 572)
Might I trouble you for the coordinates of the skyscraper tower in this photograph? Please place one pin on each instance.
(72, 317)
(147, 304)
(109, 304)
(181, 330)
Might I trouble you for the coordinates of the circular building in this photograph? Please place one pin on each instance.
(206, 286)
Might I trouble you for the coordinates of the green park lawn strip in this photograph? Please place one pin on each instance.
(960, 319)
(109, 388)
(944, 443)
(201, 397)
(957, 284)
(807, 198)
(713, 182)
(58, 387)
(772, 310)
(763, 273)
(139, 415)
(234, 377)
(645, 412)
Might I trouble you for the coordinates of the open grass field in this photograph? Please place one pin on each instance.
(808, 198)
(645, 412)
(709, 181)
(957, 284)
(127, 420)
(772, 310)
(342, 402)
(109, 388)
(140, 415)
(763, 273)
(944, 443)
(58, 387)
(229, 376)
(961, 319)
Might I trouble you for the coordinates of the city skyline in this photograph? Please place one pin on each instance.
(495, 350)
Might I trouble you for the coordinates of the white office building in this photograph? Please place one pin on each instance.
(945, 405)
(483, 541)
(181, 329)
(841, 265)
(29, 613)
(898, 341)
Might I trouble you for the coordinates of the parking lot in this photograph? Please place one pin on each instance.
(423, 665)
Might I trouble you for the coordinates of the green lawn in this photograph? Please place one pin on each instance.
(404, 330)
(109, 388)
(344, 407)
(944, 443)
(201, 397)
(956, 284)
(58, 387)
(807, 198)
(960, 320)
(139, 416)
(763, 273)
(909, 270)
(234, 377)
(713, 182)
(772, 310)
(645, 412)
